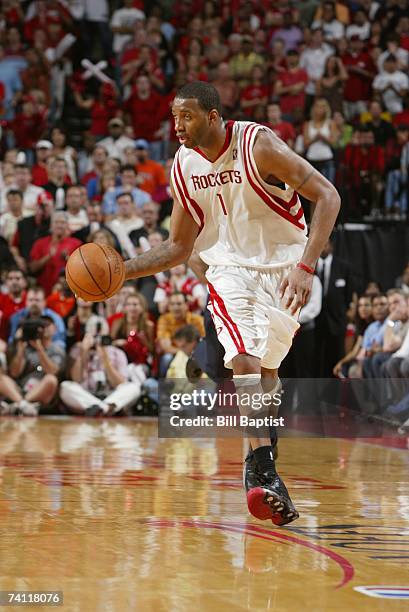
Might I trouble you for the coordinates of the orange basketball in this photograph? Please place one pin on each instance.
(94, 272)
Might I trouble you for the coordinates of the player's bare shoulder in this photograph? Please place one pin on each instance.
(267, 143)
(271, 152)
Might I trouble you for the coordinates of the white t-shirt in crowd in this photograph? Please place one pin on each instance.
(30, 197)
(8, 224)
(363, 31)
(116, 147)
(313, 61)
(333, 30)
(96, 10)
(124, 17)
(129, 225)
(397, 79)
(401, 55)
(78, 221)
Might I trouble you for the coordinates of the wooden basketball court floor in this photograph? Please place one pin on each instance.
(120, 520)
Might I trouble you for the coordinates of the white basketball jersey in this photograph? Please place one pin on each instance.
(244, 221)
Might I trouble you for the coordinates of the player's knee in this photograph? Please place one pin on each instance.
(246, 364)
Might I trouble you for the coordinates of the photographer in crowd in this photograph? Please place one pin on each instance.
(35, 362)
(99, 376)
(36, 308)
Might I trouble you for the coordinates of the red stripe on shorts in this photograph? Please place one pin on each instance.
(224, 315)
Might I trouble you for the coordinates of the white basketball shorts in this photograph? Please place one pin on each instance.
(248, 314)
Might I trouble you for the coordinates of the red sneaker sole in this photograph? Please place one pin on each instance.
(259, 508)
(262, 510)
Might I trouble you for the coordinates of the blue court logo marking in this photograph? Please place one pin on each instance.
(384, 592)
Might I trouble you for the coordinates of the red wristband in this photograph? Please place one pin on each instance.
(306, 268)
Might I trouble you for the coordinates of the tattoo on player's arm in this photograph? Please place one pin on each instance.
(153, 261)
(307, 178)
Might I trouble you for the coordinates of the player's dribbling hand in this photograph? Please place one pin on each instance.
(296, 289)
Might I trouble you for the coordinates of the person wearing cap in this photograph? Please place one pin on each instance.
(39, 170)
(116, 142)
(151, 174)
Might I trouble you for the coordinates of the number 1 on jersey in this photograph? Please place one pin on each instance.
(223, 205)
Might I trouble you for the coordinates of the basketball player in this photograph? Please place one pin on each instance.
(235, 188)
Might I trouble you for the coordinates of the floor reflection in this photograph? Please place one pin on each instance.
(122, 520)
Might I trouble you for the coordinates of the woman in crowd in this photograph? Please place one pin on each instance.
(102, 236)
(331, 86)
(134, 332)
(77, 322)
(362, 320)
(320, 135)
(61, 149)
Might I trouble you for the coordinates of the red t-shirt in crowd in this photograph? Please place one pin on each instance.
(88, 176)
(289, 102)
(101, 113)
(251, 92)
(147, 115)
(357, 87)
(27, 129)
(283, 130)
(61, 304)
(49, 274)
(404, 41)
(401, 118)
(363, 159)
(7, 308)
(39, 175)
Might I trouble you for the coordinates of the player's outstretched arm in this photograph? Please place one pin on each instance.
(275, 159)
(175, 250)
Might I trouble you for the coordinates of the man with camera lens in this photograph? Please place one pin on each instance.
(35, 362)
(99, 376)
(36, 308)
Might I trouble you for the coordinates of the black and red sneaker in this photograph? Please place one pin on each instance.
(267, 495)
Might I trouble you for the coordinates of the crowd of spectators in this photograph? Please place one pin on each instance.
(87, 143)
